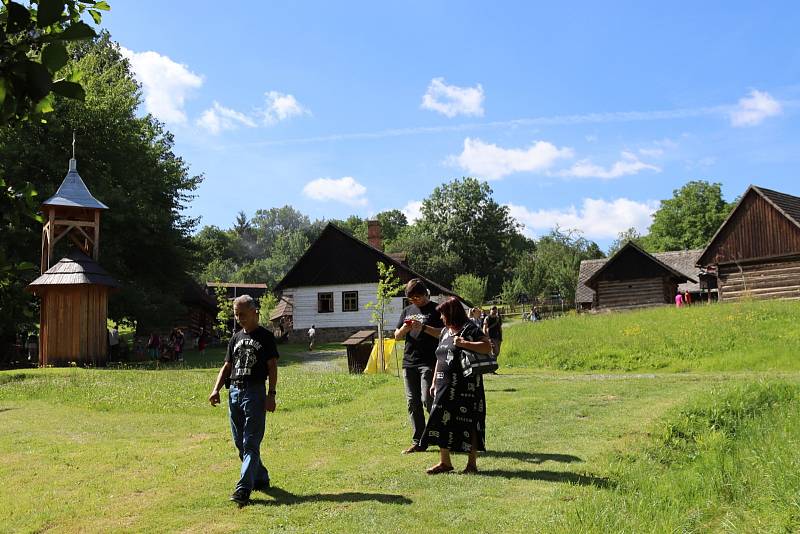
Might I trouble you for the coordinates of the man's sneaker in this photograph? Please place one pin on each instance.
(261, 486)
(241, 497)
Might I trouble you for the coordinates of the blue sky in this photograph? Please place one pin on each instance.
(579, 114)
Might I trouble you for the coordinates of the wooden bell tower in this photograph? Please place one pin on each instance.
(72, 213)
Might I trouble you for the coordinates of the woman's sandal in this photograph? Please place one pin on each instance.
(439, 468)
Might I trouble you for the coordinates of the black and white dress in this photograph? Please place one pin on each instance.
(459, 408)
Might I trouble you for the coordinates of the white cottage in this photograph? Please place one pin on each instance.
(331, 284)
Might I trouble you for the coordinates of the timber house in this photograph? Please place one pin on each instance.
(756, 251)
(332, 283)
(634, 278)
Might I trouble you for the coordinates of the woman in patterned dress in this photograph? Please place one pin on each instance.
(458, 414)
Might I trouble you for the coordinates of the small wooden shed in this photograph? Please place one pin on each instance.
(634, 278)
(74, 311)
(756, 251)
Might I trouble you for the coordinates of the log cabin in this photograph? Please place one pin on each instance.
(756, 251)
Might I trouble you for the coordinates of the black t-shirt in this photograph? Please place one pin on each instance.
(420, 347)
(249, 354)
(494, 325)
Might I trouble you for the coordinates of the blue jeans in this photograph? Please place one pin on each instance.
(247, 409)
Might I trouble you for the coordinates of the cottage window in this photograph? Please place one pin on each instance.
(325, 302)
(349, 301)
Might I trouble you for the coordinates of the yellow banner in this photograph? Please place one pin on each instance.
(391, 360)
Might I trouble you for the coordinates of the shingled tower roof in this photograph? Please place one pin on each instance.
(73, 193)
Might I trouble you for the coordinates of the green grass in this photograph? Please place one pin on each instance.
(730, 337)
(137, 448)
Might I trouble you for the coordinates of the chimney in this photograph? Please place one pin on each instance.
(374, 234)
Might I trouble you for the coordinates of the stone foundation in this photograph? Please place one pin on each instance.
(327, 335)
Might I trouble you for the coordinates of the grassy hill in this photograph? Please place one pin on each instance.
(139, 449)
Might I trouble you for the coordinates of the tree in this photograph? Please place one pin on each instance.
(471, 288)
(34, 65)
(127, 162)
(689, 219)
(631, 234)
(268, 224)
(224, 324)
(392, 222)
(462, 218)
(553, 267)
(388, 287)
(266, 305)
(426, 256)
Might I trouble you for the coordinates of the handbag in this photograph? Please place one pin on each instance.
(473, 362)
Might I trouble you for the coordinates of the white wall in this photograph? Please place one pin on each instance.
(305, 307)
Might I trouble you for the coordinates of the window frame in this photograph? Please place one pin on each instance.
(329, 296)
(345, 295)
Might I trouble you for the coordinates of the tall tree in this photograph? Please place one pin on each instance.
(127, 162)
(631, 234)
(689, 219)
(34, 66)
(463, 219)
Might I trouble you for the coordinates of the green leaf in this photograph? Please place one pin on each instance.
(3, 90)
(39, 80)
(55, 56)
(25, 266)
(49, 12)
(103, 6)
(77, 31)
(18, 17)
(96, 16)
(44, 105)
(69, 89)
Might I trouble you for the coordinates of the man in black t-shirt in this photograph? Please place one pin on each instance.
(493, 327)
(420, 325)
(251, 360)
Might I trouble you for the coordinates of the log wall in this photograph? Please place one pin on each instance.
(770, 279)
(633, 293)
(73, 325)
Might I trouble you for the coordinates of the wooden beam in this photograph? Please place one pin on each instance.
(70, 222)
(96, 254)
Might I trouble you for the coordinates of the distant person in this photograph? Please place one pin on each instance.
(420, 326)
(312, 332)
(32, 345)
(176, 340)
(687, 298)
(202, 342)
(475, 317)
(251, 361)
(154, 346)
(535, 314)
(679, 300)
(113, 343)
(458, 417)
(493, 327)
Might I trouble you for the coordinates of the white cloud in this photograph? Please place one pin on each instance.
(281, 107)
(652, 152)
(413, 211)
(753, 109)
(492, 162)
(345, 190)
(596, 218)
(629, 164)
(165, 83)
(218, 118)
(451, 100)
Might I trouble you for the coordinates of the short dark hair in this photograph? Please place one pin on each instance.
(415, 286)
(453, 312)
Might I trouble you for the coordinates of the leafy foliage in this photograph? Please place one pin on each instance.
(689, 219)
(266, 305)
(470, 287)
(128, 163)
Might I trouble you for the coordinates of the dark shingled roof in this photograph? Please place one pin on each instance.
(73, 193)
(682, 261)
(787, 204)
(336, 257)
(75, 269)
(285, 308)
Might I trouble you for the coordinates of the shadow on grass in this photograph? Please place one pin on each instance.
(550, 476)
(504, 390)
(533, 457)
(5, 410)
(285, 498)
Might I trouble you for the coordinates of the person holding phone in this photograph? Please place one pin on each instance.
(420, 326)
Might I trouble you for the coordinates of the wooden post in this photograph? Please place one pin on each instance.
(96, 252)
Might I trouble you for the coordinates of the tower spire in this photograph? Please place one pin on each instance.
(73, 163)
